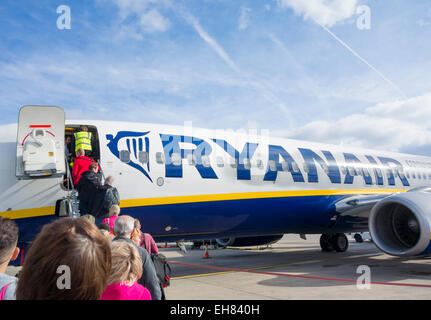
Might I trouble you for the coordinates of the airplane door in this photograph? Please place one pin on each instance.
(40, 143)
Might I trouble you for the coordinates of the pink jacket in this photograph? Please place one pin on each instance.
(110, 221)
(148, 243)
(121, 291)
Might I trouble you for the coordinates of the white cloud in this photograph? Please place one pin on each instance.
(388, 126)
(244, 19)
(324, 12)
(148, 20)
(152, 21)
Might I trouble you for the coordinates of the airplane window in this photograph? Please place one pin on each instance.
(413, 175)
(272, 165)
(419, 176)
(425, 176)
(260, 164)
(325, 168)
(125, 156)
(295, 167)
(233, 163)
(160, 158)
(284, 166)
(247, 164)
(379, 174)
(306, 167)
(343, 170)
(143, 157)
(408, 175)
(351, 171)
(220, 162)
(176, 159)
(206, 161)
(191, 159)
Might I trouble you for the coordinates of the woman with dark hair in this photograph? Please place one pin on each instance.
(70, 259)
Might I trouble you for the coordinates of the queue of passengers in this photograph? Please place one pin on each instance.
(72, 259)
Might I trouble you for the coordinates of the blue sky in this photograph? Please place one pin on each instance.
(302, 69)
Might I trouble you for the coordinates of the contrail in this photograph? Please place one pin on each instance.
(364, 61)
(263, 89)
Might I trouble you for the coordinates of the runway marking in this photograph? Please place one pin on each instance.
(254, 270)
(235, 270)
(365, 255)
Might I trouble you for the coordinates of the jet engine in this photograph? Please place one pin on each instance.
(249, 241)
(400, 224)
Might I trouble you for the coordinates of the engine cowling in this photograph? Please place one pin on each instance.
(249, 241)
(400, 224)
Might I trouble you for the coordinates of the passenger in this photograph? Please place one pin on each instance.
(104, 228)
(67, 153)
(80, 165)
(114, 212)
(84, 140)
(70, 259)
(89, 217)
(125, 271)
(136, 235)
(146, 241)
(109, 181)
(8, 252)
(123, 228)
(89, 187)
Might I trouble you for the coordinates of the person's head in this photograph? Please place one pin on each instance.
(124, 226)
(104, 226)
(137, 224)
(89, 217)
(67, 139)
(8, 242)
(114, 210)
(93, 167)
(80, 152)
(109, 180)
(84, 128)
(126, 263)
(70, 259)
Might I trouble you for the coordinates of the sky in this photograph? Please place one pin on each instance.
(345, 72)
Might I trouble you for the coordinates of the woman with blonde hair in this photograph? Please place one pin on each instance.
(125, 271)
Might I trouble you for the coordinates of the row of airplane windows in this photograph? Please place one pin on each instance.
(143, 157)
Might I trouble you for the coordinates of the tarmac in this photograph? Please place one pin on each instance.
(294, 268)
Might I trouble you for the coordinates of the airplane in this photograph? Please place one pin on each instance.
(186, 183)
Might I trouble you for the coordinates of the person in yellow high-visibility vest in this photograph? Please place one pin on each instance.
(84, 140)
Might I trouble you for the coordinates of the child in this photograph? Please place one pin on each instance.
(125, 271)
(8, 252)
(114, 212)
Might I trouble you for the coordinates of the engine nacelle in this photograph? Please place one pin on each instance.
(400, 224)
(249, 241)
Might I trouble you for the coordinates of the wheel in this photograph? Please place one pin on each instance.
(325, 243)
(339, 242)
(358, 238)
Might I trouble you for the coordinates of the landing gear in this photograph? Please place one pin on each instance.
(331, 242)
(358, 238)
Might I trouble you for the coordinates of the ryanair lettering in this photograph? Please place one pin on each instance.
(197, 151)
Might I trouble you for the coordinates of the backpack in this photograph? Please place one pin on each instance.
(111, 197)
(163, 269)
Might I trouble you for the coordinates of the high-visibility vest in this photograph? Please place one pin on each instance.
(83, 140)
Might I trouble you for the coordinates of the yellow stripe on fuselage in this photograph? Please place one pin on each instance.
(45, 211)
